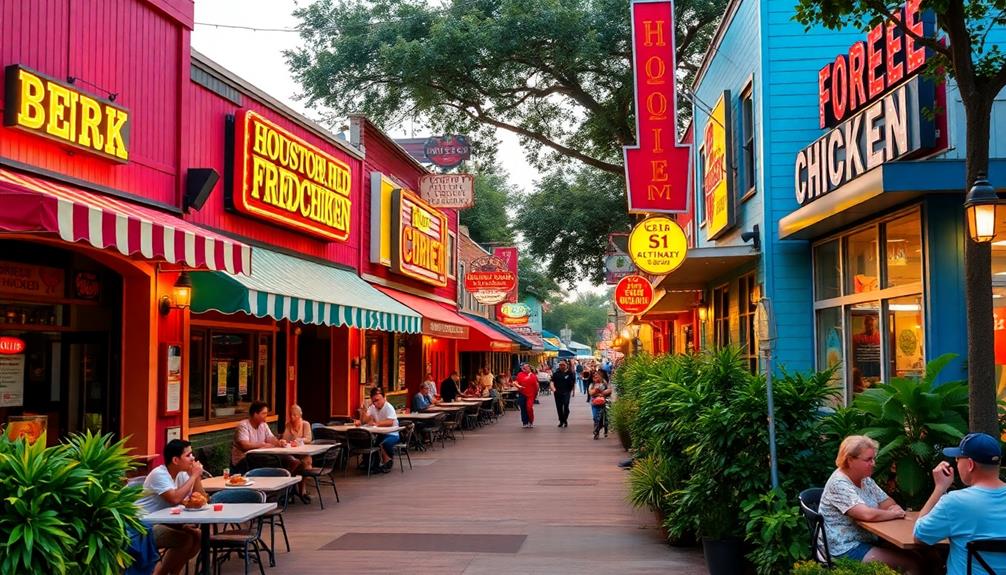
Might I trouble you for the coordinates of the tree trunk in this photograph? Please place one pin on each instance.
(978, 284)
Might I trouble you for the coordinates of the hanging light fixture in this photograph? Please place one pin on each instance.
(982, 207)
(181, 294)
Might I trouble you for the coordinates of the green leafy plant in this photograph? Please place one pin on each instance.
(65, 509)
(843, 567)
(648, 482)
(777, 531)
(912, 419)
(623, 412)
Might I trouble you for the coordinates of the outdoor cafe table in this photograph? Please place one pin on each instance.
(458, 404)
(444, 408)
(263, 484)
(231, 513)
(898, 532)
(370, 428)
(299, 451)
(417, 416)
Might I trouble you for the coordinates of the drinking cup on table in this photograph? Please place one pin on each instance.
(176, 510)
(227, 473)
(218, 507)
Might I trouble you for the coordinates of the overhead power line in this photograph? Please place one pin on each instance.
(252, 28)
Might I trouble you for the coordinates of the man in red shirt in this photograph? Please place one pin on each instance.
(527, 380)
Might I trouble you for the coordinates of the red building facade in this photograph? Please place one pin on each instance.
(125, 178)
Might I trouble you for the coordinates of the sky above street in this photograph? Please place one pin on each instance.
(256, 55)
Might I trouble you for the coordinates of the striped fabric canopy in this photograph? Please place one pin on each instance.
(285, 287)
(32, 204)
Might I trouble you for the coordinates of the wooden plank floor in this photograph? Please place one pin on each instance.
(558, 487)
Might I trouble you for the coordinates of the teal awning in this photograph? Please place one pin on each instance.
(285, 287)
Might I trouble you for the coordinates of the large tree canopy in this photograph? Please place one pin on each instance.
(979, 68)
(488, 221)
(568, 218)
(584, 315)
(555, 72)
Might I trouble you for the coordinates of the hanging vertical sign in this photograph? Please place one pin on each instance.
(656, 168)
(717, 177)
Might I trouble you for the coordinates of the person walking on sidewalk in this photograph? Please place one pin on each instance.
(527, 381)
(563, 387)
(599, 393)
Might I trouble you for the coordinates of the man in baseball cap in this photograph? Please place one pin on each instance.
(976, 512)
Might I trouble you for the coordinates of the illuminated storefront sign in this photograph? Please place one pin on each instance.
(489, 280)
(419, 239)
(879, 107)
(280, 178)
(11, 345)
(717, 176)
(56, 110)
(633, 294)
(514, 314)
(656, 168)
(658, 245)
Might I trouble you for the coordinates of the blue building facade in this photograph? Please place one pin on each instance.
(855, 235)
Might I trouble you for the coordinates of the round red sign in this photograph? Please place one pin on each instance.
(11, 345)
(633, 294)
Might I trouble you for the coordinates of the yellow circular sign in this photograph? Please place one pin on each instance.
(658, 245)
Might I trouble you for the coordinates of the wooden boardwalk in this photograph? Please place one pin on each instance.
(557, 490)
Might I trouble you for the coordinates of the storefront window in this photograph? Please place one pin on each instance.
(904, 250)
(228, 371)
(906, 341)
(375, 359)
(999, 312)
(864, 345)
(747, 302)
(861, 271)
(721, 316)
(829, 342)
(827, 271)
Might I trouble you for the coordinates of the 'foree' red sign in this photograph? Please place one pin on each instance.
(656, 168)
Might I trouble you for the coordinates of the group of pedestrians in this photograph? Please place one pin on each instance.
(563, 386)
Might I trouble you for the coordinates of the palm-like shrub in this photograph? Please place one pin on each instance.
(65, 509)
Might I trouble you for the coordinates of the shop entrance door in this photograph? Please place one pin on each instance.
(92, 397)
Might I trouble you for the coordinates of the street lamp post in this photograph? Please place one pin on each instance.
(983, 210)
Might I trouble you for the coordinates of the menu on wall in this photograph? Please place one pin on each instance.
(173, 397)
(222, 378)
(243, 368)
(12, 380)
(401, 365)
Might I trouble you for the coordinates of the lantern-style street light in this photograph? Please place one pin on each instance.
(982, 207)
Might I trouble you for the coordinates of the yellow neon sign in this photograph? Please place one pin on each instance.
(58, 111)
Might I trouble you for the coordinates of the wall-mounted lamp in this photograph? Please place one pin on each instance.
(354, 363)
(754, 236)
(181, 294)
(703, 311)
(982, 206)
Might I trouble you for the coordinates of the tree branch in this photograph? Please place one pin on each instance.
(880, 8)
(480, 116)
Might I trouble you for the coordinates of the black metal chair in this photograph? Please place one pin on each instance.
(979, 546)
(360, 442)
(434, 429)
(472, 416)
(325, 470)
(404, 441)
(282, 499)
(810, 499)
(262, 460)
(455, 422)
(239, 539)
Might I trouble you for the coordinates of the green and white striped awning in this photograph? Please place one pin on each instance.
(285, 287)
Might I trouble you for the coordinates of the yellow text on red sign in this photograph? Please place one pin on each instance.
(422, 239)
(281, 178)
(59, 111)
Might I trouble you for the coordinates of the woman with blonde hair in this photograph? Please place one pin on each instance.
(852, 495)
(299, 430)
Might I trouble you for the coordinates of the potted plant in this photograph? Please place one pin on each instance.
(66, 509)
(623, 412)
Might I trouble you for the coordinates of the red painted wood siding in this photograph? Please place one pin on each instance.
(124, 46)
(206, 128)
(384, 156)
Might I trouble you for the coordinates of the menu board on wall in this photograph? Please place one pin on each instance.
(244, 367)
(401, 365)
(173, 391)
(222, 378)
(11, 380)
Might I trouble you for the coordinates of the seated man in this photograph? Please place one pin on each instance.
(975, 512)
(422, 400)
(433, 386)
(166, 486)
(254, 433)
(382, 414)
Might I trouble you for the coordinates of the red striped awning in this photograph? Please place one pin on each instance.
(32, 204)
